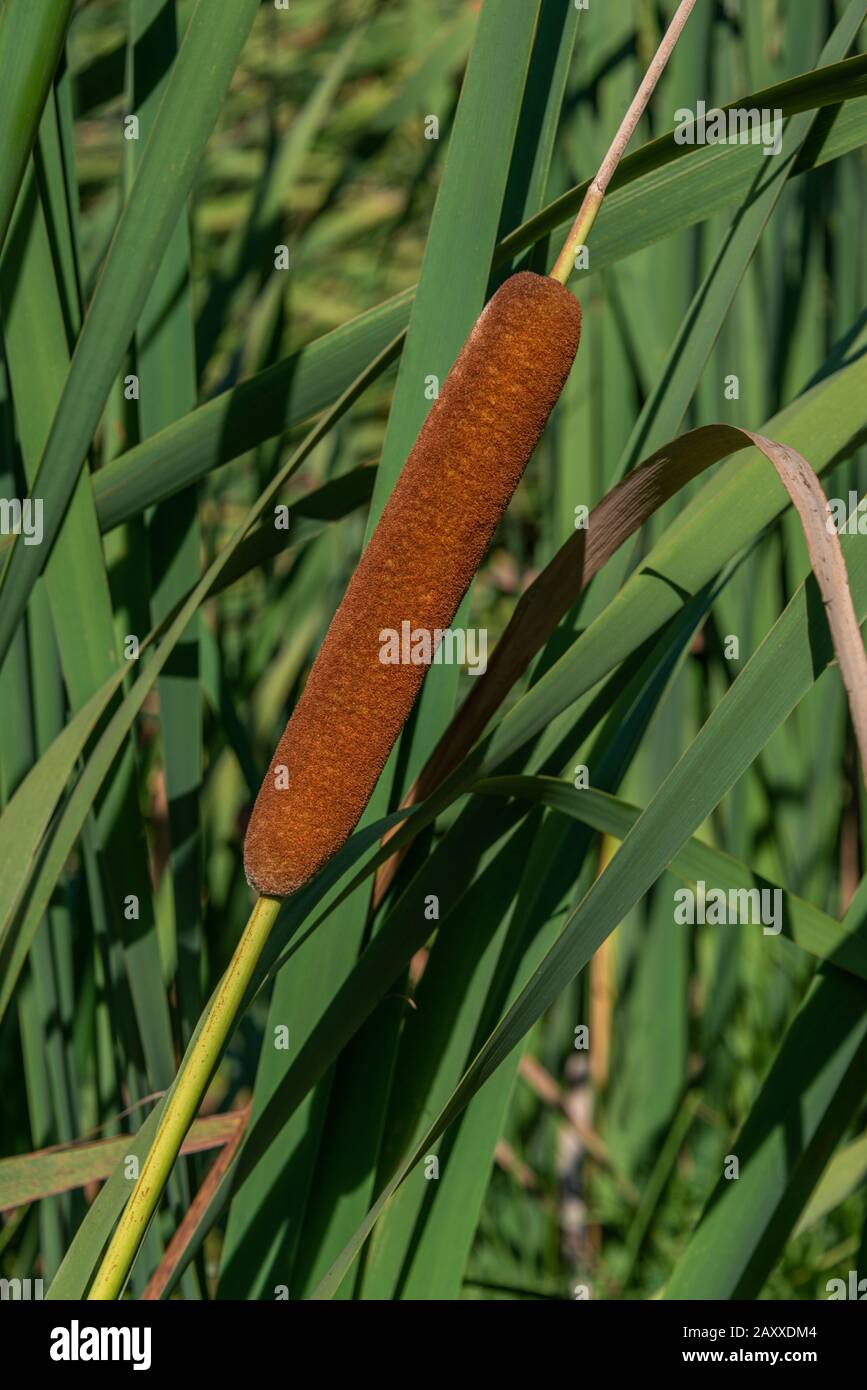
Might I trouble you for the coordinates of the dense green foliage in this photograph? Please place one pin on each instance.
(238, 308)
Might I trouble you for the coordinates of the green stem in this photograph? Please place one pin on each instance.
(565, 262)
(183, 1103)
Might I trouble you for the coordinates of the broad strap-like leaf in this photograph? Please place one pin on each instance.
(194, 95)
(778, 675)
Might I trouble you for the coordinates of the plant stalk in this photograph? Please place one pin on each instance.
(593, 199)
(183, 1103)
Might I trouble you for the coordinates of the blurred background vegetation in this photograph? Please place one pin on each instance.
(582, 1168)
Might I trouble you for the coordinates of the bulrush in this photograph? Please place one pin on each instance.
(430, 540)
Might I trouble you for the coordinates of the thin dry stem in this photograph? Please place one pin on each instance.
(593, 199)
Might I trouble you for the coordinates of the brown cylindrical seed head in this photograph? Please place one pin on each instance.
(430, 540)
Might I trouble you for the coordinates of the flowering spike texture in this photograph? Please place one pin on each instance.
(430, 540)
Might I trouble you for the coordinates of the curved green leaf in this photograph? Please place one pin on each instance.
(32, 37)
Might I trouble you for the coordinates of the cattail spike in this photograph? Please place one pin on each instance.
(430, 540)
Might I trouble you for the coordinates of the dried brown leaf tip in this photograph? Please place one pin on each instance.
(430, 540)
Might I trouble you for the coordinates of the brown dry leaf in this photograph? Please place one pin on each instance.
(46, 1172)
(621, 513)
